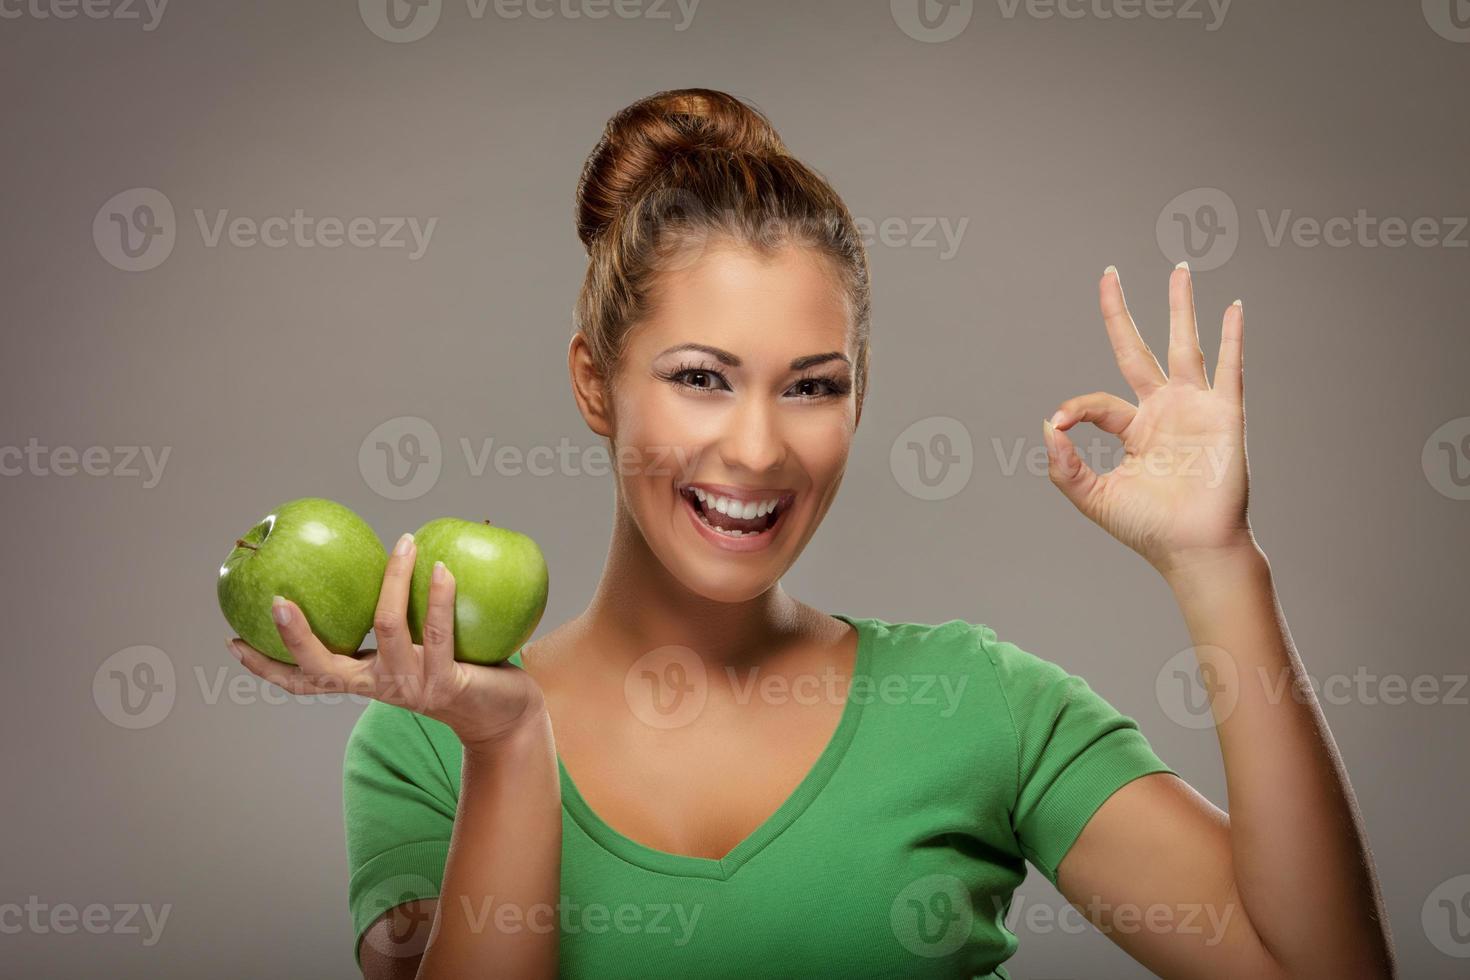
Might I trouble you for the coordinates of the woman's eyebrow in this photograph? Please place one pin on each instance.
(725, 357)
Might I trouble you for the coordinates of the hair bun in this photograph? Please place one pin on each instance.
(643, 138)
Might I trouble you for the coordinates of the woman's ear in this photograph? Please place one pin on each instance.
(588, 387)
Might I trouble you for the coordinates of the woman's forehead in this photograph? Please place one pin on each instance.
(747, 303)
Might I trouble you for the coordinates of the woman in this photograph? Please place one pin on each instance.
(678, 826)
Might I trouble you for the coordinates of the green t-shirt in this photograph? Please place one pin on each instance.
(958, 757)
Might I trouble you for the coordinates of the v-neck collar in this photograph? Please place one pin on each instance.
(810, 787)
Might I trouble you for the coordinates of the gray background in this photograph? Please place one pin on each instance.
(262, 371)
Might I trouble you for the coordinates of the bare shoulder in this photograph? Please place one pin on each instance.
(545, 657)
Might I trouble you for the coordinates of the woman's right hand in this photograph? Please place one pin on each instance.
(481, 704)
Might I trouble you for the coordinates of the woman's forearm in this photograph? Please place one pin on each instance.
(1301, 863)
(498, 907)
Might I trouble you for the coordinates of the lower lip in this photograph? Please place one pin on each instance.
(746, 542)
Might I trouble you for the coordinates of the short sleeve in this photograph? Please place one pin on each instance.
(1074, 750)
(398, 807)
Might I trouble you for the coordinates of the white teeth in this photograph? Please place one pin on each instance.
(734, 508)
(744, 510)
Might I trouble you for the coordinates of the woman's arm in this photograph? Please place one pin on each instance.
(1283, 886)
(497, 911)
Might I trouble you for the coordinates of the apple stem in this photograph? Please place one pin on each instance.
(242, 543)
(487, 520)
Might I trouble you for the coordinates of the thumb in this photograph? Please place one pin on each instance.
(1068, 472)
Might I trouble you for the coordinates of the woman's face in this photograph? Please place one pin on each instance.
(736, 394)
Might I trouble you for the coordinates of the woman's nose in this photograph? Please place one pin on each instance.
(752, 440)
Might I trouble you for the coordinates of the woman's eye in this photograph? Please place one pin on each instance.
(699, 379)
(704, 380)
(817, 388)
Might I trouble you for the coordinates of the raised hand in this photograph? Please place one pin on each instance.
(481, 704)
(1179, 496)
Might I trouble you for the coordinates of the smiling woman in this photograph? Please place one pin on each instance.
(614, 803)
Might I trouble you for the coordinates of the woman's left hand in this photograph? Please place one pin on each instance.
(1179, 495)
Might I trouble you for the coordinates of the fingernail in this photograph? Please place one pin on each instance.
(1047, 426)
(1056, 418)
(439, 571)
(1111, 270)
(1183, 265)
(234, 649)
(404, 544)
(280, 611)
(1239, 304)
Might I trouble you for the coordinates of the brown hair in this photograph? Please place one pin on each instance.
(686, 166)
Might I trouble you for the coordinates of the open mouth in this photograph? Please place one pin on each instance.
(736, 518)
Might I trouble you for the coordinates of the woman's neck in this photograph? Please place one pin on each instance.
(638, 606)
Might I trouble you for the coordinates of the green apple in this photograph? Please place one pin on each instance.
(500, 585)
(321, 556)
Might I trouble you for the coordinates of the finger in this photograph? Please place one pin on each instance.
(1104, 410)
(320, 666)
(439, 624)
(1137, 362)
(390, 621)
(1186, 359)
(1230, 368)
(1068, 472)
(285, 676)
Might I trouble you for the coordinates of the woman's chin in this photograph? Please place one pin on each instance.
(718, 578)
